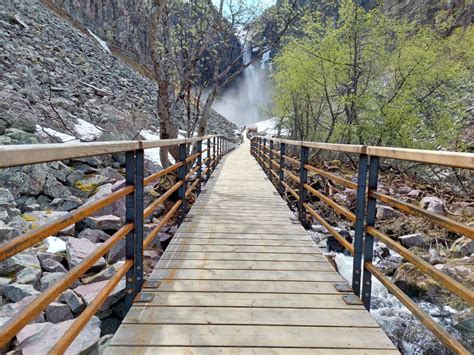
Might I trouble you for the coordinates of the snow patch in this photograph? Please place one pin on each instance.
(45, 132)
(102, 43)
(86, 130)
(55, 245)
(268, 127)
(153, 154)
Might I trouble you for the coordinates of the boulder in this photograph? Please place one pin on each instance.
(52, 265)
(463, 246)
(117, 252)
(94, 235)
(38, 218)
(415, 283)
(334, 245)
(50, 278)
(108, 222)
(18, 262)
(75, 176)
(78, 249)
(26, 180)
(39, 338)
(387, 212)
(89, 293)
(75, 303)
(105, 274)
(10, 309)
(432, 204)
(42, 256)
(459, 272)
(58, 312)
(411, 240)
(464, 321)
(3, 281)
(7, 232)
(414, 193)
(6, 198)
(54, 189)
(16, 292)
(29, 276)
(117, 208)
(66, 204)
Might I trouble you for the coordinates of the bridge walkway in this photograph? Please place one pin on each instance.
(242, 277)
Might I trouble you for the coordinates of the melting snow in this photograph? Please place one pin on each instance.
(46, 132)
(268, 127)
(86, 130)
(102, 43)
(55, 245)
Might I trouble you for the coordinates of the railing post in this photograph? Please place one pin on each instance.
(304, 156)
(259, 150)
(263, 154)
(130, 218)
(214, 155)
(139, 190)
(282, 166)
(369, 240)
(271, 159)
(182, 171)
(199, 163)
(209, 156)
(359, 224)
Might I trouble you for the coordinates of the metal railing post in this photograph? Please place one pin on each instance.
(209, 156)
(130, 218)
(359, 224)
(214, 155)
(304, 156)
(270, 165)
(369, 240)
(138, 227)
(199, 163)
(263, 155)
(282, 166)
(182, 171)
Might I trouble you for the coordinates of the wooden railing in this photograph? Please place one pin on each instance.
(263, 149)
(132, 230)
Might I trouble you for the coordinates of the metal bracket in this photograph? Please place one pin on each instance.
(151, 284)
(144, 297)
(343, 287)
(351, 300)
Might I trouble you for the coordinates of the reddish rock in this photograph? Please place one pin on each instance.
(78, 249)
(89, 293)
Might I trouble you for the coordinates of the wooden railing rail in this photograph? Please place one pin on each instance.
(364, 216)
(132, 231)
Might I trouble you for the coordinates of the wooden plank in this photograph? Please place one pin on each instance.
(241, 249)
(241, 228)
(317, 256)
(246, 286)
(250, 236)
(173, 350)
(313, 266)
(263, 275)
(181, 240)
(251, 336)
(251, 316)
(262, 300)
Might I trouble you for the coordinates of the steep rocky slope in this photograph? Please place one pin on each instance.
(55, 76)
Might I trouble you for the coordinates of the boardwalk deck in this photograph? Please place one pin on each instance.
(240, 278)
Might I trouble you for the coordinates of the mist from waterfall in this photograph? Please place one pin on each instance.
(249, 99)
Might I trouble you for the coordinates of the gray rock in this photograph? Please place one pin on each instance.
(42, 256)
(105, 274)
(20, 137)
(414, 193)
(53, 266)
(19, 224)
(108, 222)
(463, 246)
(18, 262)
(432, 204)
(117, 252)
(94, 235)
(54, 189)
(6, 198)
(58, 312)
(78, 249)
(16, 292)
(116, 208)
(386, 212)
(50, 278)
(7, 232)
(39, 338)
(66, 204)
(38, 218)
(89, 292)
(3, 281)
(27, 180)
(10, 309)
(464, 321)
(29, 276)
(75, 176)
(411, 240)
(75, 303)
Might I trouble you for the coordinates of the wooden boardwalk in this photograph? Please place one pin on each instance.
(241, 278)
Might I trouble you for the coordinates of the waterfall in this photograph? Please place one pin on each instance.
(246, 101)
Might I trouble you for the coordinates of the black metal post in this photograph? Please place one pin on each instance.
(130, 218)
(304, 156)
(359, 224)
(139, 191)
(214, 155)
(282, 166)
(263, 155)
(369, 240)
(270, 165)
(209, 151)
(182, 171)
(199, 163)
